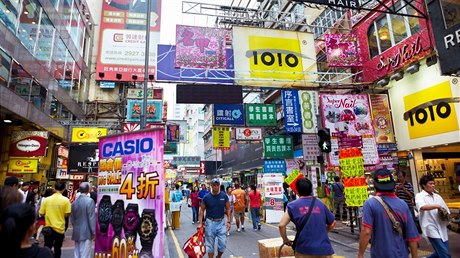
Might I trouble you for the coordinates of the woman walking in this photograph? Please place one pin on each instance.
(254, 198)
(231, 199)
(195, 203)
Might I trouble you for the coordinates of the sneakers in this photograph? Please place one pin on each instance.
(254, 229)
(242, 228)
(238, 230)
(193, 222)
(228, 233)
(258, 227)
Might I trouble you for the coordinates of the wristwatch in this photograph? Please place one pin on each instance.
(104, 213)
(147, 231)
(131, 221)
(118, 213)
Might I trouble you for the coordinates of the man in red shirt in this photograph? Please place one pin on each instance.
(254, 197)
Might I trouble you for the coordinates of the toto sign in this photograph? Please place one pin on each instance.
(28, 143)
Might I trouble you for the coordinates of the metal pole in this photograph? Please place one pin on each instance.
(146, 72)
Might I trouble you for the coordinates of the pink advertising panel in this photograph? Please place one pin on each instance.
(342, 50)
(200, 47)
(130, 195)
(345, 116)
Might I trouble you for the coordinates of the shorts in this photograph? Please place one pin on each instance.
(213, 230)
(238, 214)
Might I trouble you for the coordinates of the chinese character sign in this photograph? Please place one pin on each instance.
(154, 110)
(291, 108)
(309, 108)
(260, 115)
(342, 50)
(200, 47)
(278, 146)
(221, 137)
(274, 166)
(130, 195)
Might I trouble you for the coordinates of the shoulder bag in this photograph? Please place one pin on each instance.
(396, 224)
(302, 225)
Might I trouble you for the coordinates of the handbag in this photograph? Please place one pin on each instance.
(47, 231)
(195, 246)
(302, 225)
(396, 224)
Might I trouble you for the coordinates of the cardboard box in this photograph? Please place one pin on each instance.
(270, 248)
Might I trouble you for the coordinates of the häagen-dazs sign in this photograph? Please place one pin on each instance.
(28, 143)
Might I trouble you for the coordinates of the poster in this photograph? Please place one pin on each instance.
(342, 50)
(130, 195)
(381, 118)
(273, 204)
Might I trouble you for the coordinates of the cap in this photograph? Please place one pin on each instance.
(383, 180)
(215, 181)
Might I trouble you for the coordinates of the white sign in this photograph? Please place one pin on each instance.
(28, 145)
(248, 133)
(273, 184)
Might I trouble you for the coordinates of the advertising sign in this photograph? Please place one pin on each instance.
(278, 58)
(278, 146)
(83, 158)
(63, 152)
(200, 47)
(273, 204)
(134, 110)
(309, 109)
(346, 115)
(22, 166)
(260, 115)
(342, 50)
(248, 134)
(155, 93)
(167, 71)
(186, 160)
(172, 133)
(291, 109)
(107, 85)
(87, 134)
(274, 166)
(310, 147)
(170, 148)
(131, 127)
(130, 195)
(220, 137)
(381, 118)
(228, 114)
(122, 39)
(28, 143)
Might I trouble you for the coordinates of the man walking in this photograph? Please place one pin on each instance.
(339, 199)
(388, 240)
(56, 209)
(216, 205)
(241, 203)
(83, 218)
(24, 190)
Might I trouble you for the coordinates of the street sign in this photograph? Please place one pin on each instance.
(274, 166)
(228, 114)
(278, 146)
(260, 115)
(291, 109)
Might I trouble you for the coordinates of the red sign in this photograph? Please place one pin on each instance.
(28, 143)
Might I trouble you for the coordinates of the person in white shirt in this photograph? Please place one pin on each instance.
(24, 190)
(430, 206)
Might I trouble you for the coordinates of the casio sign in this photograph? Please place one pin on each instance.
(28, 145)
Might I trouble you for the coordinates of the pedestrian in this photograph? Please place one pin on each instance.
(216, 205)
(202, 193)
(9, 195)
(405, 192)
(240, 205)
(433, 215)
(93, 193)
(56, 209)
(12, 181)
(24, 190)
(231, 200)
(313, 219)
(175, 197)
(41, 219)
(195, 204)
(254, 200)
(83, 219)
(17, 225)
(387, 238)
(339, 199)
(33, 196)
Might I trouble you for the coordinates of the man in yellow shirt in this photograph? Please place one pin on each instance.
(55, 209)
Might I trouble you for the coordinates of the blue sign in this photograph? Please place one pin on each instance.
(228, 114)
(107, 85)
(291, 109)
(274, 166)
(166, 70)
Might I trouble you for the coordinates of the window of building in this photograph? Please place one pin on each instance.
(9, 14)
(28, 24)
(451, 12)
(45, 40)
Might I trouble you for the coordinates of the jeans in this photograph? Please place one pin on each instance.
(255, 217)
(441, 249)
(339, 206)
(55, 240)
(82, 249)
(213, 230)
(195, 213)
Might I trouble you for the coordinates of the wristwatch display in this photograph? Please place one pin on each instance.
(118, 213)
(147, 231)
(104, 213)
(131, 221)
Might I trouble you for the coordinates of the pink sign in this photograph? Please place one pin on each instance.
(200, 47)
(342, 50)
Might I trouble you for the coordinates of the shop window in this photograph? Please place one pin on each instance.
(373, 44)
(451, 12)
(28, 24)
(383, 32)
(9, 14)
(400, 29)
(414, 25)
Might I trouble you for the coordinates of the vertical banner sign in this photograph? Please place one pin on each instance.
(273, 204)
(352, 166)
(130, 195)
(154, 110)
(228, 114)
(310, 147)
(200, 47)
(172, 133)
(291, 108)
(221, 137)
(122, 39)
(342, 50)
(260, 115)
(274, 166)
(381, 118)
(309, 109)
(278, 146)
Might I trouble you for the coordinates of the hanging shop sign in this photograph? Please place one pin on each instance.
(278, 146)
(273, 193)
(87, 134)
(106, 85)
(170, 148)
(342, 50)
(309, 109)
(274, 166)
(267, 57)
(28, 143)
(228, 114)
(83, 158)
(154, 111)
(310, 149)
(130, 197)
(22, 166)
(155, 93)
(63, 152)
(220, 137)
(200, 47)
(352, 168)
(172, 133)
(381, 118)
(291, 109)
(248, 133)
(131, 127)
(260, 115)
(186, 160)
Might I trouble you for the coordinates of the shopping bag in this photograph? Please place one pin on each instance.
(195, 247)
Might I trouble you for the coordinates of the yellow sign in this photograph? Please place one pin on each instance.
(430, 111)
(221, 137)
(17, 165)
(87, 134)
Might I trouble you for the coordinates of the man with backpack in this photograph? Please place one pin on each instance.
(241, 203)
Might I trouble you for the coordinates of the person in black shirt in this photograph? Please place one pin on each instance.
(93, 193)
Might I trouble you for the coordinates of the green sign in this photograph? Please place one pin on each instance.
(278, 146)
(260, 115)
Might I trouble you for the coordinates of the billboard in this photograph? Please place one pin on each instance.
(154, 110)
(87, 134)
(122, 39)
(209, 94)
(342, 50)
(83, 158)
(267, 57)
(228, 114)
(28, 143)
(130, 195)
(22, 166)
